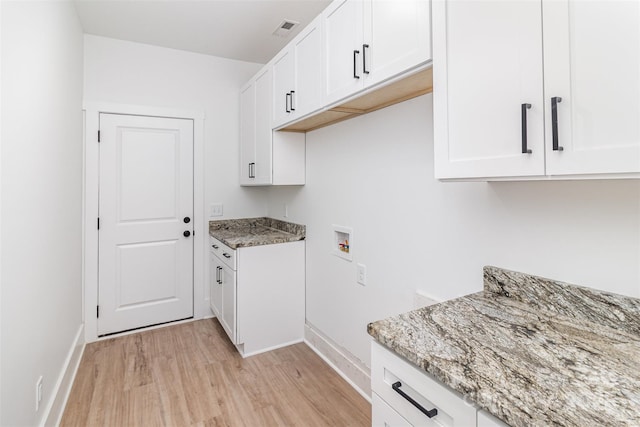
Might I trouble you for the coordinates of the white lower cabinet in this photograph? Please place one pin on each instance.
(215, 295)
(257, 294)
(404, 395)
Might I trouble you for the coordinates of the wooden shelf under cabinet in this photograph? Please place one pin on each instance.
(412, 86)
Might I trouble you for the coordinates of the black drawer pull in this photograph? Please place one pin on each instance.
(214, 246)
(429, 413)
(355, 58)
(523, 110)
(364, 58)
(226, 255)
(554, 123)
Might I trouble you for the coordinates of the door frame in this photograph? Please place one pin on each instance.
(91, 172)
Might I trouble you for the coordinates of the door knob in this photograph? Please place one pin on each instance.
(186, 233)
(187, 220)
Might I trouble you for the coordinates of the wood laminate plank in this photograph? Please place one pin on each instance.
(191, 375)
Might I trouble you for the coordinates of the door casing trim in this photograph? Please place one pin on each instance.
(91, 172)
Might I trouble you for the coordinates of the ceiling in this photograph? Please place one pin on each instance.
(235, 29)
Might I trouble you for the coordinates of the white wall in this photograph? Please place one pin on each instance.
(375, 174)
(132, 73)
(41, 201)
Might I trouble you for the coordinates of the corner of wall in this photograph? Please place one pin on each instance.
(55, 409)
(352, 370)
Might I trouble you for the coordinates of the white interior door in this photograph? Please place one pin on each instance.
(146, 195)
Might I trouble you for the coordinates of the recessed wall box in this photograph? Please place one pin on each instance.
(342, 242)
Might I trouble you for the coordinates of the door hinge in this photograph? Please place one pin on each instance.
(98, 136)
(97, 311)
(98, 223)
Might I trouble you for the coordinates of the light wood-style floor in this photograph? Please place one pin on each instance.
(190, 375)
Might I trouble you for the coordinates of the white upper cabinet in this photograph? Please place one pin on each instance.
(267, 157)
(283, 85)
(307, 48)
(366, 42)
(343, 42)
(510, 78)
(297, 76)
(592, 62)
(397, 37)
(255, 130)
(263, 168)
(487, 64)
(247, 132)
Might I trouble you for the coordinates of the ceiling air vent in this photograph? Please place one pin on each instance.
(285, 27)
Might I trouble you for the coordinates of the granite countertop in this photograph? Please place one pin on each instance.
(529, 350)
(244, 232)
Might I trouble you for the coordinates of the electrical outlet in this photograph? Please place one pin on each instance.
(362, 274)
(38, 393)
(215, 209)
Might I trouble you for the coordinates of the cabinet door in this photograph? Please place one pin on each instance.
(215, 288)
(283, 84)
(487, 63)
(592, 62)
(398, 36)
(307, 47)
(228, 318)
(263, 140)
(247, 133)
(343, 49)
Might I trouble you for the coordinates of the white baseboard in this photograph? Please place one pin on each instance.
(53, 414)
(340, 360)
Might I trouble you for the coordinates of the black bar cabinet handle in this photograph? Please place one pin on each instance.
(287, 97)
(252, 173)
(226, 255)
(554, 122)
(523, 109)
(291, 93)
(214, 246)
(355, 58)
(218, 275)
(364, 58)
(221, 279)
(428, 412)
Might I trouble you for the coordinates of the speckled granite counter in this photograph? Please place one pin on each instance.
(238, 233)
(529, 350)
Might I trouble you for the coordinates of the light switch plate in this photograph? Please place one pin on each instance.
(362, 274)
(215, 209)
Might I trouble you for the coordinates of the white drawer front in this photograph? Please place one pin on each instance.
(387, 369)
(224, 252)
(383, 415)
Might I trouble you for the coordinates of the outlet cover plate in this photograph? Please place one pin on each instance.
(215, 209)
(362, 274)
